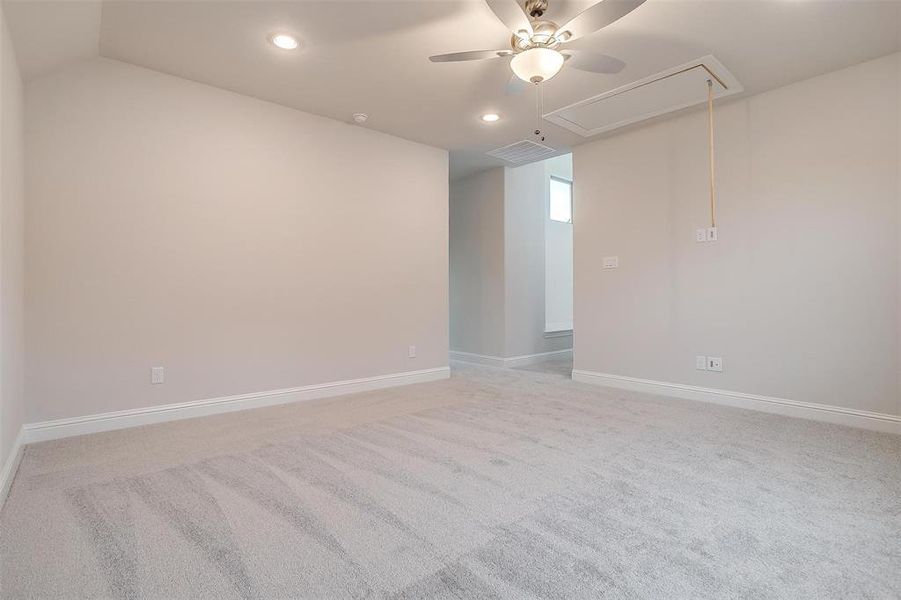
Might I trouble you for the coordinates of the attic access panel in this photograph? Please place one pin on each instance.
(671, 90)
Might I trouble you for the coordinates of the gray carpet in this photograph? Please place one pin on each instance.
(493, 484)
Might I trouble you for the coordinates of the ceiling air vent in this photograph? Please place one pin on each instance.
(523, 152)
(671, 90)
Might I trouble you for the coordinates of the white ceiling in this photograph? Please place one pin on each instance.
(49, 35)
(372, 55)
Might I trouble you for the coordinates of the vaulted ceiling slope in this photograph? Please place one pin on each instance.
(372, 55)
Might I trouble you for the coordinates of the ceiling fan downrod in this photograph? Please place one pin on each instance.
(535, 8)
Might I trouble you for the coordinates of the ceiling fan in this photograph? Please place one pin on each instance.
(536, 42)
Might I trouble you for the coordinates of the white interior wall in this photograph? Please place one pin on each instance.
(12, 208)
(477, 264)
(558, 268)
(241, 245)
(800, 295)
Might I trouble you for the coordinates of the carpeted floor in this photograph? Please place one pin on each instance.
(493, 484)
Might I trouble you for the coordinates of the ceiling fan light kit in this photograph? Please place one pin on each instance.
(537, 64)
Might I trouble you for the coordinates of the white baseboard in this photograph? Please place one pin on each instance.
(531, 359)
(781, 406)
(559, 327)
(11, 465)
(511, 361)
(63, 428)
(479, 359)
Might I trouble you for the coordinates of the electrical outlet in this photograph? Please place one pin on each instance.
(701, 235)
(711, 234)
(611, 262)
(156, 375)
(412, 352)
(701, 363)
(714, 363)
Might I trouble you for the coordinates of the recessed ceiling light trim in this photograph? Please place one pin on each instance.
(490, 117)
(285, 41)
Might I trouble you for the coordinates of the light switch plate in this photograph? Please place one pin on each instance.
(611, 262)
(714, 363)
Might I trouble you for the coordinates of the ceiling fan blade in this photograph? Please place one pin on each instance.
(515, 86)
(474, 55)
(594, 62)
(596, 17)
(511, 14)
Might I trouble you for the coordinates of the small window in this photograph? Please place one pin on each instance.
(561, 200)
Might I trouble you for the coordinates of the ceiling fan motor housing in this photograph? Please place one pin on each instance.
(542, 37)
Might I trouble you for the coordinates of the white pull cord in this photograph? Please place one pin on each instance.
(710, 150)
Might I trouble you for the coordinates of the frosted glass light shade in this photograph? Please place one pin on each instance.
(537, 64)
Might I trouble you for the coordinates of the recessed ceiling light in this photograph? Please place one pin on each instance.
(284, 41)
(491, 117)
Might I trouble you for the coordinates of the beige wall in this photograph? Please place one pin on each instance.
(477, 264)
(242, 245)
(800, 295)
(12, 219)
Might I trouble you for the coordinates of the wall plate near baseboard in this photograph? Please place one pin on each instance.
(792, 408)
(63, 428)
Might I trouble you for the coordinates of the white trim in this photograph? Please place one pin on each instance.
(555, 330)
(781, 406)
(62, 428)
(11, 466)
(531, 359)
(512, 361)
(479, 359)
